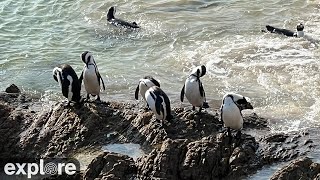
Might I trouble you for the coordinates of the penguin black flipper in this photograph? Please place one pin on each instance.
(201, 89)
(158, 103)
(81, 78)
(100, 78)
(136, 94)
(285, 32)
(168, 108)
(65, 88)
(182, 93)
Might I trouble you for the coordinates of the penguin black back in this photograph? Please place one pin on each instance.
(119, 22)
(69, 82)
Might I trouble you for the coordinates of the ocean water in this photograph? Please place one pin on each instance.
(279, 74)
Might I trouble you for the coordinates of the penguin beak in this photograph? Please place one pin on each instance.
(246, 106)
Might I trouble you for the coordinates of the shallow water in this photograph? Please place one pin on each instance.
(279, 74)
(129, 149)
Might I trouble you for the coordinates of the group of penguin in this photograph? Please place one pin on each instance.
(149, 88)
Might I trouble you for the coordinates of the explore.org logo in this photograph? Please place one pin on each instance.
(40, 167)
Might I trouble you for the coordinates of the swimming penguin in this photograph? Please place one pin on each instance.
(119, 22)
(144, 85)
(232, 105)
(193, 89)
(68, 81)
(287, 32)
(159, 103)
(91, 76)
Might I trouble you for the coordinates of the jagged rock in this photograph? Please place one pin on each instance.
(302, 168)
(209, 158)
(12, 89)
(284, 147)
(192, 146)
(111, 166)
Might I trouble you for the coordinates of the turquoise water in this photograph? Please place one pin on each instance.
(279, 74)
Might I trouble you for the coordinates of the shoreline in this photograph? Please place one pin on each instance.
(195, 141)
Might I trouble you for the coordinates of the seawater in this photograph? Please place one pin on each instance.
(279, 74)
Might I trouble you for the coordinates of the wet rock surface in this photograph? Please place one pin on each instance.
(111, 166)
(302, 168)
(193, 146)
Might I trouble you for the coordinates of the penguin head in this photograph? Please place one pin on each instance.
(87, 58)
(239, 100)
(56, 72)
(111, 13)
(300, 27)
(199, 71)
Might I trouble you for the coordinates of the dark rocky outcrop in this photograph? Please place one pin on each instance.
(12, 89)
(302, 168)
(193, 146)
(209, 158)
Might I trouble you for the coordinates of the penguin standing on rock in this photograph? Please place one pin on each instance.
(119, 22)
(159, 103)
(144, 85)
(68, 81)
(232, 105)
(91, 76)
(193, 89)
(287, 32)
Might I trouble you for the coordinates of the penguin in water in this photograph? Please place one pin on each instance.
(119, 22)
(91, 76)
(159, 103)
(193, 89)
(144, 85)
(232, 105)
(287, 32)
(69, 82)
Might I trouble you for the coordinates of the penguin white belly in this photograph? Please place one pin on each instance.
(231, 117)
(152, 104)
(91, 82)
(143, 89)
(192, 92)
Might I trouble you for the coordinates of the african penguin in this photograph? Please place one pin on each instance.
(144, 85)
(287, 32)
(193, 89)
(159, 103)
(119, 22)
(68, 81)
(91, 76)
(232, 105)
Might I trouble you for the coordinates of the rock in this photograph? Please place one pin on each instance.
(208, 158)
(283, 147)
(192, 146)
(111, 166)
(12, 89)
(302, 168)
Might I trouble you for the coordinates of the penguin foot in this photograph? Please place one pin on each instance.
(88, 97)
(98, 99)
(205, 105)
(193, 108)
(66, 104)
